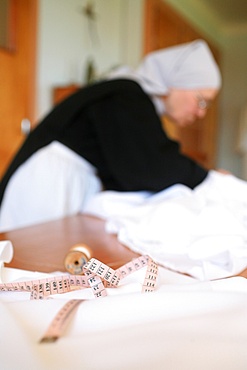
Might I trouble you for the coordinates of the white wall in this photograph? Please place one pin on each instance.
(64, 43)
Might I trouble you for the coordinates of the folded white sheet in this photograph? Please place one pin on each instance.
(202, 232)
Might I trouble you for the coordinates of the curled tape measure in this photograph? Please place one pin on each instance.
(96, 275)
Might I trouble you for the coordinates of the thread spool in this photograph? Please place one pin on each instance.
(76, 258)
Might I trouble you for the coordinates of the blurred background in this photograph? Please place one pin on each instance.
(50, 45)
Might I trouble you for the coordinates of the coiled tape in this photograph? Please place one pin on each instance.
(96, 275)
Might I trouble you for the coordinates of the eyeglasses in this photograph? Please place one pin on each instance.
(202, 103)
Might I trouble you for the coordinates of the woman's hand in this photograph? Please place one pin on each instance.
(224, 172)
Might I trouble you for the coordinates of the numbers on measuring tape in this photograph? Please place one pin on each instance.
(97, 276)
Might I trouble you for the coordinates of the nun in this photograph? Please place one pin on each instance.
(109, 136)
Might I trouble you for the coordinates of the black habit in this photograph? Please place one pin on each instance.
(114, 125)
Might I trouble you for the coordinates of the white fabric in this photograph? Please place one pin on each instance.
(202, 232)
(54, 182)
(200, 330)
(186, 66)
(6, 254)
(183, 325)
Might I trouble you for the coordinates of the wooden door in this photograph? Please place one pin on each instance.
(164, 27)
(62, 92)
(17, 78)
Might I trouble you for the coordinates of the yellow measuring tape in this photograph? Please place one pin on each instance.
(95, 275)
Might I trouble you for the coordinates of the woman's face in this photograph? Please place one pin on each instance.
(184, 107)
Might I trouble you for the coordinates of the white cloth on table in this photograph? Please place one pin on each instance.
(185, 325)
(54, 182)
(202, 232)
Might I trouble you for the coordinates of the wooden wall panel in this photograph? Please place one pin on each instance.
(17, 80)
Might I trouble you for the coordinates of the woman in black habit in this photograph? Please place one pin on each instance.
(109, 136)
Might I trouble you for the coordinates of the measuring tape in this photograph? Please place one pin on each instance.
(96, 275)
(58, 324)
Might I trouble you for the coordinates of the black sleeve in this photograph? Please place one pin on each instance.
(137, 153)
